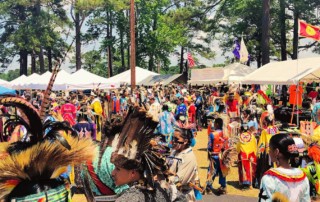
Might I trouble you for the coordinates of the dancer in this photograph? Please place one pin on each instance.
(247, 159)
(292, 183)
(138, 162)
(216, 145)
(97, 109)
(96, 175)
(264, 162)
(312, 170)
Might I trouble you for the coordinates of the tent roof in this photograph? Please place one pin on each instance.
(207, 76)
(5, 83)
(59, 83)
(231, 73)
(23, 81)
(125, 77)
(83, 79)
(235, 72)
(286, 72)
(18, 80)
(163, 79)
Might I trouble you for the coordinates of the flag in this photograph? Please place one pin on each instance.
(190, 60)
(236, 50)
(244, 55)
(309, 31)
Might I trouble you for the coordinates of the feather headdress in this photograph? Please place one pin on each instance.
(44, 157)
(133, 146)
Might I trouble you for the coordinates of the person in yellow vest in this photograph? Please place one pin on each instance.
(247, 159)
(97, 109)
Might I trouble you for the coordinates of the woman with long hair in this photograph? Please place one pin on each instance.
(284, 180)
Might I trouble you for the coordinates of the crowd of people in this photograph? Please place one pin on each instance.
(143, 141)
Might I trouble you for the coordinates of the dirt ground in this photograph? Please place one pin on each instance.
(200, 150)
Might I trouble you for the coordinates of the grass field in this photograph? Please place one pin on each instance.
(200, 151)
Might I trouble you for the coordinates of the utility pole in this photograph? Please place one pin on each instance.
(133, 45)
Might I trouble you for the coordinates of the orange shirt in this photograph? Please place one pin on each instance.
(295, 96)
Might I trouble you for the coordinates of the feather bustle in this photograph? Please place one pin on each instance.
(44, 160)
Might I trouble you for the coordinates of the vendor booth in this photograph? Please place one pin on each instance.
(82, 79)
(163, 79)
(232, 73)
(125, 77)
(286, 72)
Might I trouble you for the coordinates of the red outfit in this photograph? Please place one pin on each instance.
(295, 96)
(192, 113)
(232, 106)
(313, 94)
(69, 113)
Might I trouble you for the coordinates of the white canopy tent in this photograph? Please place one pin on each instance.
(207, 76)
(18, 81)
(125, 77)
(59, 84)
(24, 82)
(83, 79)
(235, 72)
(5, 83)
(232, 73)
(286, 72)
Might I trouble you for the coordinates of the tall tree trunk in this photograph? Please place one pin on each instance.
(49, 59)
(41, 60)
(152, 52)
(109, 37)
(23, 62)
(78, 40)
(128, 40)
(259, 58)
(181, 60)
(151, 62)
(123, 63)
(265, 46)
(282, 21)
(295, 42)
(33, 62)
(23, 53)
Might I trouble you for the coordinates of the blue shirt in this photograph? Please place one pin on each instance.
(181, 109)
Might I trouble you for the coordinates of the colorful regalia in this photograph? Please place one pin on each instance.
(34, 169)
(247, 147)
(291, 183)
(97, 109)
(96, 174)
(312, 170)
(136, 148)
(264, 162)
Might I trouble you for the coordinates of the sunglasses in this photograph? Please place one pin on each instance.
(176, 140)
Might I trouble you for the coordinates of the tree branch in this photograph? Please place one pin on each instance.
(71, 12)
(308, 45)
